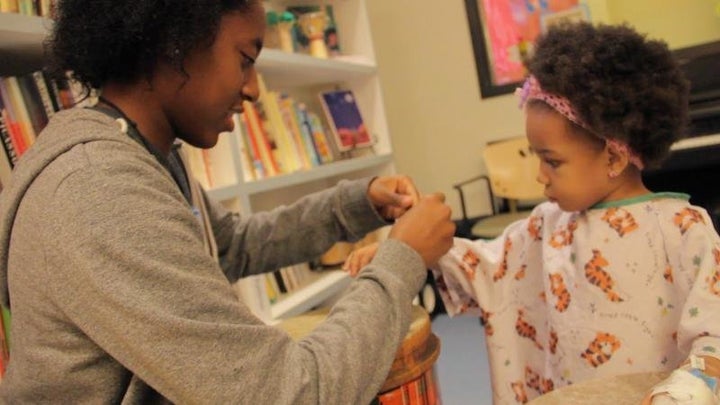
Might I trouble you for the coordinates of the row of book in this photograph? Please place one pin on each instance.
(288, 280)
(278, 135)
(42, 8)
(26, 104)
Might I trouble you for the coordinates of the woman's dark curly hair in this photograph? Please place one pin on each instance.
(622, 85)
(104, 40)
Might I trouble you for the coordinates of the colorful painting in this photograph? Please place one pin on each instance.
(503, 33)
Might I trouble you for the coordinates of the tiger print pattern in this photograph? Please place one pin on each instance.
(686, 218)
(620, 220)
(668, 274)
(519, 389)
(597, 276)
(558, 289)
(485, 321)
(470, 262)
(564, 236)
(714, 280)
(534, 227)
(601, 349)
(524, 329)
(552, 343)
(502, 269)
(539, 384)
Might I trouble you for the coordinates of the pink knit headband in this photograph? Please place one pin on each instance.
(531, 90)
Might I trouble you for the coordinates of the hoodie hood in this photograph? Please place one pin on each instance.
(65, 130)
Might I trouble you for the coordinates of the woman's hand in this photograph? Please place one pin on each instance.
(392, 196)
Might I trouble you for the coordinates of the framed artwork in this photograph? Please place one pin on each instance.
(503, 33)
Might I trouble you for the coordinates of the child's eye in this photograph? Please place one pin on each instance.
(552, 163)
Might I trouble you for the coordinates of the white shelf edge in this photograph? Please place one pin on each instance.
(19, 24)
(316, 173)
(270, 58)
(286, 70)
(224, 193)
(311, 295)
(284, 180)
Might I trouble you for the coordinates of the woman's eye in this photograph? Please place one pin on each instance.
(552, 163)
(247, 61)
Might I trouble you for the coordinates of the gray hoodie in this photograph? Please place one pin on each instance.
(115, 297)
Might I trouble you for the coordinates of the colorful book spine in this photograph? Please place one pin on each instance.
(13, 126)
(248, 173)
(287, 110)
(291, 156)
(257, 164)
(306, 133)
(33, 102)
(19, 109)
(6, 138)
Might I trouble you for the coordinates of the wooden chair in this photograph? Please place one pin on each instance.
(512, 170)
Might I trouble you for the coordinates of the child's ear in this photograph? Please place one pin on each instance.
(618, 158)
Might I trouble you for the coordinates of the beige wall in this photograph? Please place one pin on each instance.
(438, 122)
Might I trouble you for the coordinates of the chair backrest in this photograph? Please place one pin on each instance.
(512, 169)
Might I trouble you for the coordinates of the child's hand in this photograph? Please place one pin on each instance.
(359, 258)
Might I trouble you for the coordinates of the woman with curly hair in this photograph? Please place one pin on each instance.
(118, 268)
(606, 277)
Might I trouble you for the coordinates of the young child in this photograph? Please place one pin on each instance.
(606, 277)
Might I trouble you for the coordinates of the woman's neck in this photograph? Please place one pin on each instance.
(138, 104)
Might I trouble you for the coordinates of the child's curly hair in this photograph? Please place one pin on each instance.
(621, 84)
(104, 40)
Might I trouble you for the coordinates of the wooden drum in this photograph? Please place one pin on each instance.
(411, 380)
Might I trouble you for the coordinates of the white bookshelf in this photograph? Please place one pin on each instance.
(21, 51)
(299, 75)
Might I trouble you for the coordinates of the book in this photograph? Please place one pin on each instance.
(11, 122)
(9, 6)
(26, 7)
(319, 137)
(33, 102)
(287, 112)
(306, 133)
(261, 171)
(269, 111)
(18, 109)
(44, 92)
(248, 172)
(7, 143)
(346, 122)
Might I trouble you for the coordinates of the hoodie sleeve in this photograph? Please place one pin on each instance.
(289, 234)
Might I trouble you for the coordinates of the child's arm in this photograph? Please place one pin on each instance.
(359, 258)
(698, 331)
(697, 379)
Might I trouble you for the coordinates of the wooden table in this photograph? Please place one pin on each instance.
(627, 389)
